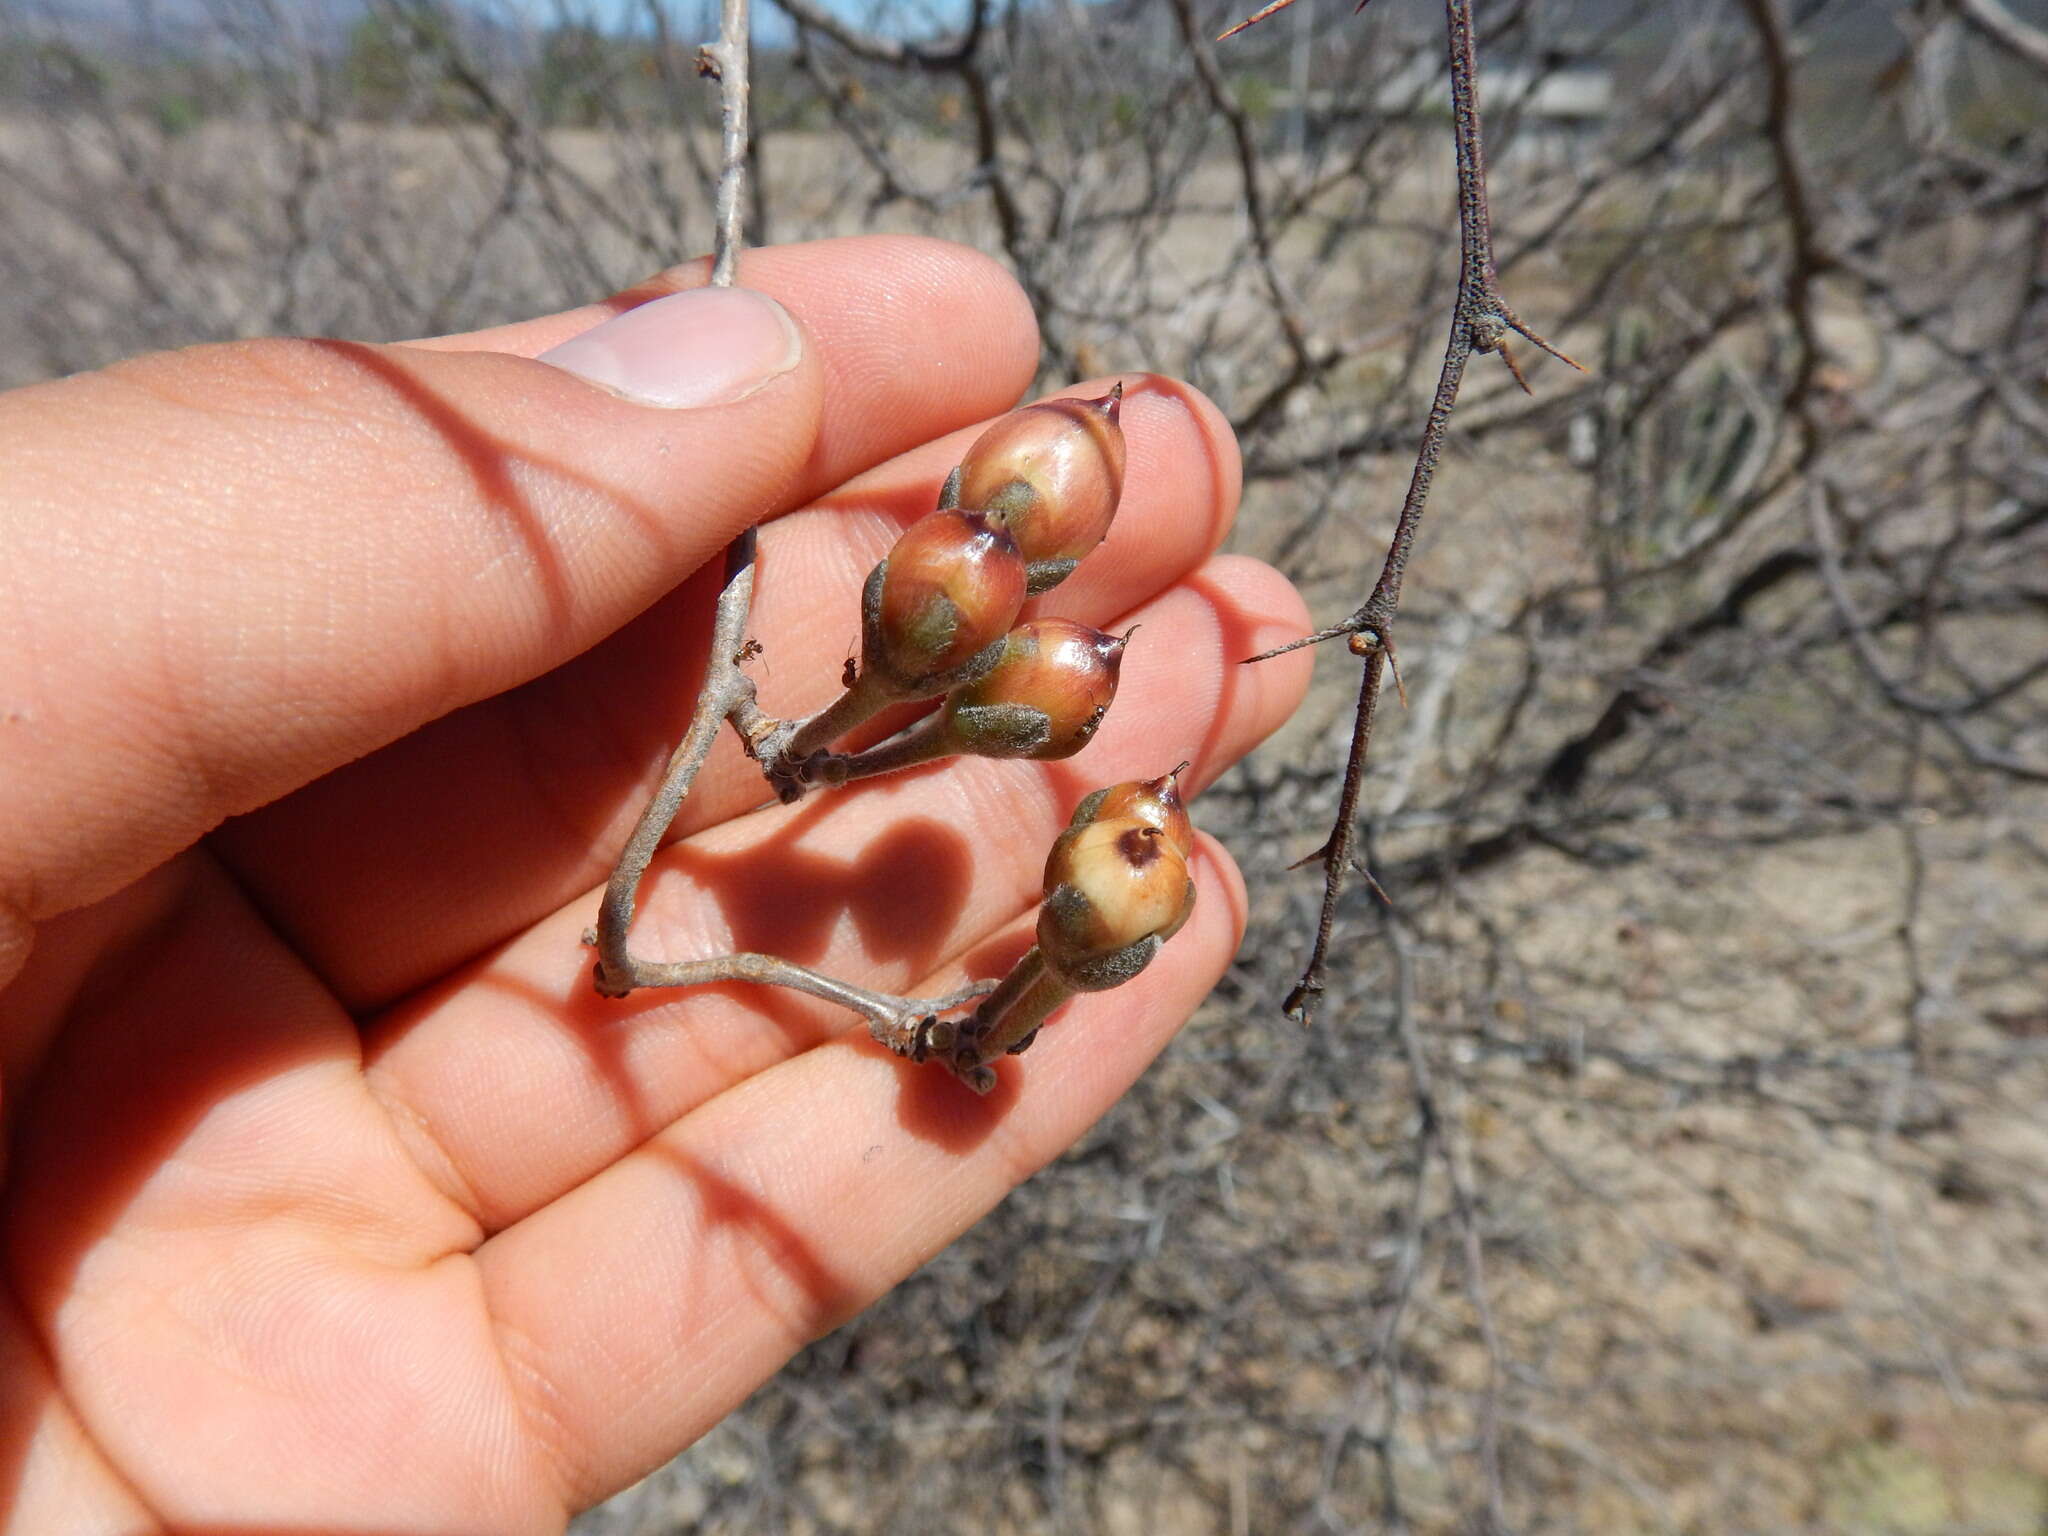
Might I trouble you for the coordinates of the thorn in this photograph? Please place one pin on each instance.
(1514, 323)
(1371, 884)
(1322, 853)
(1256, 17)
(1394, 666)
(1295, 645)
(1507, 356)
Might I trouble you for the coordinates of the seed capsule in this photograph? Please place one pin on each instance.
(1045, 696)
(1053, 472)
(945, 595)
(1115, 889)
(1156, 802)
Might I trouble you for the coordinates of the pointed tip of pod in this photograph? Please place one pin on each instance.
(1113, 889)
(1112, 404)
(1053, 472)
(1140, 843)
(1156, 802)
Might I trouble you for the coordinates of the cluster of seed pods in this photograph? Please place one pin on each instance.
(940, 618)
(939, 614)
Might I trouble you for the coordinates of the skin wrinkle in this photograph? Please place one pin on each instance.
(526, 1411)
(352, 1080)
(152, 907)
(44, 1350)
(167, 706)
(415, 1136)
(533, 1394)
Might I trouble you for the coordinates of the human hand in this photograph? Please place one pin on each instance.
(331, 678)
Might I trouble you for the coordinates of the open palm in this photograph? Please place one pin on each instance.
(331, 678)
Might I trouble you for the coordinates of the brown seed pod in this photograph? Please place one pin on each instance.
(1154, 801)
(1044, 697)
(1116, 888)
(1053, 472)
(936, 609)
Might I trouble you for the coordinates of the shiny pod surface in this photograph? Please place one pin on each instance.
(1109, 885)
(1156, 802)
(1053, 472)
(949, 589)
(1045, 696)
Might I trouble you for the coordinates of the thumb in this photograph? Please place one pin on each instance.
(226, 570)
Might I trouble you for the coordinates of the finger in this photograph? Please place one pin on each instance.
(226, 570)
(392, 870)
(642, 1307)
(514, 1082)
(916, 337)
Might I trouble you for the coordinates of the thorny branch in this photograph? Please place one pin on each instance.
(1480, 322)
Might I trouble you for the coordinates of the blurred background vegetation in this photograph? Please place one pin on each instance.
(1669, 1153)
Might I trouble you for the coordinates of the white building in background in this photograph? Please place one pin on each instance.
(1532, 109)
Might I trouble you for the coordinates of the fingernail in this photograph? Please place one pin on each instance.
(706, 346)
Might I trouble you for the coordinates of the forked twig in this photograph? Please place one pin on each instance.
(1481, 321)
(904, 1024)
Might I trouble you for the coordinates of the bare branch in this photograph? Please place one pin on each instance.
(1480, 322)
(1998, 23)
